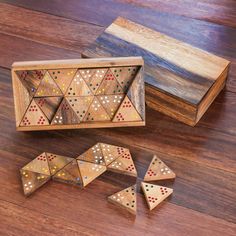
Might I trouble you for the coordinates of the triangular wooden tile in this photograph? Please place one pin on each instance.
(65, 115)
(123, 164)
(38, 165)
(125, 199)
(69, 174)
(80, 105)
(31, 79)
(93, 77)
(109, 85)
(93, 155)
(48, 87)
(90, 171)
(125, 75)
(48, 105)
(78, 87)
(158, 170)
(111, 103)
(57, 162)
(155, 194)
(63, 77)
(34, 116)
(31, 181)
(126, 112)
(96, 112)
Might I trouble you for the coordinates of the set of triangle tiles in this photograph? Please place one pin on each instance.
(72, 96)
(88, 166)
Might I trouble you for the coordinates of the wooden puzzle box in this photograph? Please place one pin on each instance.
(83, 93)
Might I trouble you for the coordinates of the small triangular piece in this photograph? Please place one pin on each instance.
(93, 155)
(158, 170)
(57, 162)
(80, 105)
(48, 87)
(123, 164)
(31, 181)
(93, 77)
(126, 112)
(125, 199)
(109, 85)
(65, 115)
(30, 79)
(111, 103)
(34, 116)
(90, 171)
(38, 165)
(96, 112)
(63, 77)
(48, 105)
(125, 75)
(69, 174)
(155, 194)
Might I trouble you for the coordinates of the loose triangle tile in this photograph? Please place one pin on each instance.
(109, 85)
(65, 115)
(31, 181)
(125, 75)
(48, 105)
(48, 87)
(123, 164)
(80, 105)
(158, 170)
(125, 199)
(57, 162)
(155, 194)
(78, 87)
(126, 112)
(63, 77)
(90, 171)
(93, 155)
(96, 112)
(69, 174)
(31, 79)
(111, 103)
(34, 116)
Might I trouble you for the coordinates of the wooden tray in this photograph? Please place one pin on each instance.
(83, 93)
(181, 80)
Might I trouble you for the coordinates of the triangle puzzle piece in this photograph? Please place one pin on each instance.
(155, 194)
(31, 181)
(63, 77)
(125, 199)
(48, 87)
(126, 112)
(65, 115)
(109, 85)
(124, 165)
(80, 105)
(78, 87)
(34, 116)
(31, 79)
(93, 155)
(111, 103)
(38, 165)
(96, 112)
(125, 76)
(90, 171)
(69, 174)
(93, 77)
(57, 162)
(158, 170)
(48, 105)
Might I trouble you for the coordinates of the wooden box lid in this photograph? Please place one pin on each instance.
(181, 80)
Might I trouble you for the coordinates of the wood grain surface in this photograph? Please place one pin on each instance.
(203, 157)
